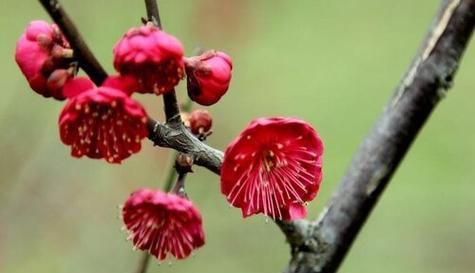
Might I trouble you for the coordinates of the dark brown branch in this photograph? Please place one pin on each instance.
(153, 14)
(177, 136)
(82, 53)
(172, 111)
(296, 232)
(424, 85)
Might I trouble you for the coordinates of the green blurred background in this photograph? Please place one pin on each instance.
(332, 63)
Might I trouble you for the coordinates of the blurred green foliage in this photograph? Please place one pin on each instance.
(332, 63)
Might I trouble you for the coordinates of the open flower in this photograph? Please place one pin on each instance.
(40, 52)
(163, 223)
(273, 167)
(152, 56)
(208, 76)
(101, 122)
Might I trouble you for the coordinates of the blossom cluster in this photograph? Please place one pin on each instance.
(273, 167)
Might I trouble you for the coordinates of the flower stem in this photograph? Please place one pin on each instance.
(179, 188)
(82, 53)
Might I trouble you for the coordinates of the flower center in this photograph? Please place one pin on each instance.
(269, 160)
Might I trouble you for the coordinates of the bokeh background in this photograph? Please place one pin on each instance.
(332, 63)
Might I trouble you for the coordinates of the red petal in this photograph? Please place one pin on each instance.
(77, 86)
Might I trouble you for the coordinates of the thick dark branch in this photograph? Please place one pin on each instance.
(177, 136)
(172, 111)
(424, 85)
(297, 234)
(82, 53)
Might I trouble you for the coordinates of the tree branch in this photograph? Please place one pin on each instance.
(82, 53)
(153, 14)
(424, 85)
(177, 136)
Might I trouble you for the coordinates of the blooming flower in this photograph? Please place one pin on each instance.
(40, 51)
(208, 76)
(163, 223)
(153, 56)
(273, 167)
(101, 122)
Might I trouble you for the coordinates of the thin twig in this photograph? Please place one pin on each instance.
(424, 85)
(179, 188)
(153, 13)
(171, 175)
(82, 53)
(143, 263)
(172, 111)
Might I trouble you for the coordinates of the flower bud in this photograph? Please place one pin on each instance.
(40, 51)
(183, 163)
(200, 122)
(59, 52)
(208, 76)
(152, 56)
(56, 81)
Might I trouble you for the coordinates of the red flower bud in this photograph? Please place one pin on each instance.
(163, 223)
(56, 81)
(208, 76)
(200, 122)
(40, 51)
(152, 56)
(273, 167)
